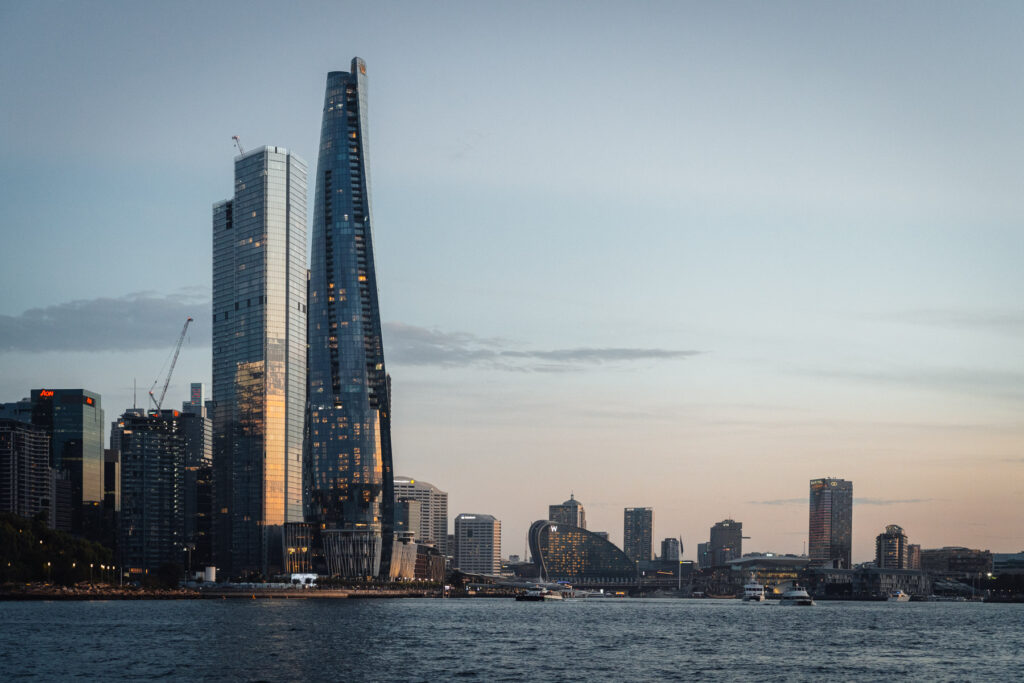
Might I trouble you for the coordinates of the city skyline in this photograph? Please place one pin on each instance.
(706, 241)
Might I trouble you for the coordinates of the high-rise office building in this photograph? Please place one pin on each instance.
(726, 542)
(892, 550)
(638, 533)
(350, 482)
(433, 525)
(830, 533)
(198, 487)
(570, 512)
(477, 544)
(73, 418)
(704, 555)
(152, 520)
(259, 360)
(24, 468)
(670, 550)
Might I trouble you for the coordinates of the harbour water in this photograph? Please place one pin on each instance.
(500, 639)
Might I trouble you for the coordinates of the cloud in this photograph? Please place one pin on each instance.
(142, 320)
(412, 345)
(994, 320)
(890, 501)
(780, 501)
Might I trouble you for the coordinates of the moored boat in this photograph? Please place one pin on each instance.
(898, 596)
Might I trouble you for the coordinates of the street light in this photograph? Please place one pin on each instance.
(90, 572)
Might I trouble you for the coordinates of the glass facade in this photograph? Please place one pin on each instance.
(830, 528)
(350, 490)
(259, 359)
(567, 553)
(74, 419)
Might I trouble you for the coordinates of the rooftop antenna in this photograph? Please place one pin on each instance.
(135, 393)
(238, 144)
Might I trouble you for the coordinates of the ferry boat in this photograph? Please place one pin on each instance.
(753, 592)
(898, 596)
(796, 597)
(542, 595)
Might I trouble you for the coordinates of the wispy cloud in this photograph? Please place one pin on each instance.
(780, 501)
(412, 345)
(1009, 321)
(891, 501)
(142, 320)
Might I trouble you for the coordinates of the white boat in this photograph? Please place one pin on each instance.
(539, 596)
(753, 592)
(898, 596)
(796, 597)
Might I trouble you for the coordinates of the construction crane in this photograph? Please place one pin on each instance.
(177, 349)
(238, 144)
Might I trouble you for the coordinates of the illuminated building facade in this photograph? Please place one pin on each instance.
(638, 533)
(259, 360)
(477, 544)
(568, 553)
(570, 512)
(350, 482)
(830, 533)
(433, 517)
(892, 551)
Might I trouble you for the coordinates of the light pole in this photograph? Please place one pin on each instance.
(90, 572)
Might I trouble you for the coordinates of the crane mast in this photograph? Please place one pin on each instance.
(177, 349)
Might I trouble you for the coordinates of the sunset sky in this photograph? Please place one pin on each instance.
(679, 255)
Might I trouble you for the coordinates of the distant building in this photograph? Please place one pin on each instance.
(570, 512)
(914, 556)
(892, 551)
(670, 550)
(408, 518)
(704, 559)
(198, 491)
(478, 544)
(433, 524)
(562, 552)
(24, 468)
(1008, 563)
(638, 533)
(73, 418)
(726, 542)
(152, 525)
(956, 560)
(830, 530)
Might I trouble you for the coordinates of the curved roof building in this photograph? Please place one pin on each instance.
(350, 490)
(563, 552)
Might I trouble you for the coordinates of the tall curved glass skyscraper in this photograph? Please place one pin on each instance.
(349, 481)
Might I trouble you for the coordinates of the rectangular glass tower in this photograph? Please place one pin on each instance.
(830, 525)
(350, 485)
(259, 359)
